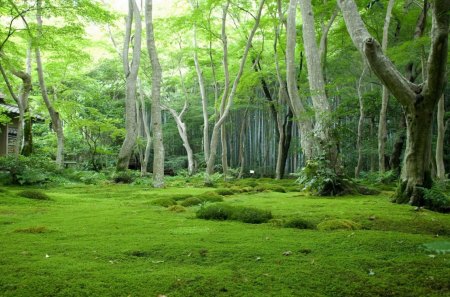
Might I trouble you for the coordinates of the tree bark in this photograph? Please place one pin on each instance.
(305, 124)
(57, 124)
(359, 145)
(440, 166)
(158, 145)
(382, 129)
(419, 101)
(131, 73)
(148, 137)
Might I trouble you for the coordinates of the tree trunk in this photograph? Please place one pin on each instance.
(131, 73)
(360, 125)
(229, 97)
(395, 159)
(27, 148)
(440, 166)
(326, 145)
(57, 125)
(419, 101)
(158, 145)
(242, 144)
(382, 129)
(305, 124)
(224, 143)
(148, 137)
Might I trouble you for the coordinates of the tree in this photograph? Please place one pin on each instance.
(158, 145)
(131, 73)
(419, 101)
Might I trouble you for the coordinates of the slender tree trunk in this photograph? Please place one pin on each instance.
(158, 145)
(440, 166)
(242, 133)
(148, 137)
(229, 97)
(395, 159)
(382, 129)
(57, 124)
(360, 125)
(131, 73)
(224, 143)
(27, 148)
(419, 101)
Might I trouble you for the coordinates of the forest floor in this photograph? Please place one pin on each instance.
(113, 240)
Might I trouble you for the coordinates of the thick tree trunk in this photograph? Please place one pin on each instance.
(440, 166)
(131, 73)
(419, 101)
(305, 124)
(57, 125)
(158, 145)
(382, 129)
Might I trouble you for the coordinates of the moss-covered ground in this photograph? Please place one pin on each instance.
(113, 240)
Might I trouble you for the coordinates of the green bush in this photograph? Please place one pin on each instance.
(164, 202)
(338, 224)
(192, 201)
(34, 194)
(125, 177)
(299, 223)
(27, 170)
(88, 177)
(222, 212)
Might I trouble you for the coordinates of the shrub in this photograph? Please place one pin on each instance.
(88, 177)
(124, 177)
(224, 192)
(192, 201)
(164, 202)
(27, 170)
(176, 208)
(222, 212)
(34, 194)
(299, 223)
(338, 224)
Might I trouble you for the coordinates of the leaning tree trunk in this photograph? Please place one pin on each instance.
(305, 124)
(419, 101)
(158, 145)
(57, 124)
(360, 125)
(131, 73)
(382, 129)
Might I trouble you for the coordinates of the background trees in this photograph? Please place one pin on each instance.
(269, 85)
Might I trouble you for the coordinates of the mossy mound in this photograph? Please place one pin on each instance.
(164, 202)
(178, 197)
(192, 201)
(224, 192)
(299, 223)
(338, 224)
(176, 208)
(210, 197)
(222, 212)
(34, 194)
(437, 247)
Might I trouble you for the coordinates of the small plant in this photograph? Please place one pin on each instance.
(34, 194)
(192, 201)
(299, 223)
(164, 202)
(338, 224)
(435, 198)
(176, 208)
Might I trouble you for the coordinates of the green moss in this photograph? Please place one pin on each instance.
(37, 229)
(176, 208)
(33, 194)
(226, 212)
(338, 224)
(179, 197)
(192, 201)
(210, 197)
(299, 223)
(164, 202)
(224, 192)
